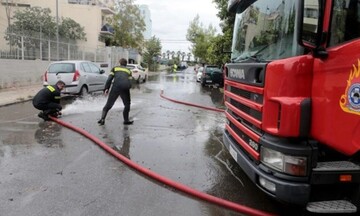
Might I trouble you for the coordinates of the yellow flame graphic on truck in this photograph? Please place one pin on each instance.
(350, 101)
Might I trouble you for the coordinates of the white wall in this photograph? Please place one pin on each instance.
(15, 73)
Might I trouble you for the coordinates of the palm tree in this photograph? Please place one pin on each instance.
(183, 54)
(189, 56)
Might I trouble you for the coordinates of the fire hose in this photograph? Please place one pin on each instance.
(176, 185)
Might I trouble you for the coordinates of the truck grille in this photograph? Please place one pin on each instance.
(244, 113)
(254, 113)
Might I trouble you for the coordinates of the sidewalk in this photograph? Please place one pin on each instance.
(20, 94)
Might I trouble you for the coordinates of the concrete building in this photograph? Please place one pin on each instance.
(90, 14)
(145, 12)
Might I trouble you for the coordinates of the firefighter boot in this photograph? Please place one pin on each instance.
(128, 122)
(126, 118)
(43, 116)
(103, 116)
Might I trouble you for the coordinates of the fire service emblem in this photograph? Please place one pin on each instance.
(350, 101)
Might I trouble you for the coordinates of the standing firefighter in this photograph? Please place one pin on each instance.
(121, 87)
(48, 100)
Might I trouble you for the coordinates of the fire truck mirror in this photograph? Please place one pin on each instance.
(310, 27)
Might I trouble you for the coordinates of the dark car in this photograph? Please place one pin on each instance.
(212, 75)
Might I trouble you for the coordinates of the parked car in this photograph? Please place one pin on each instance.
(80, 77)
(199, 74)
(212, 75)
(138, 72)
(183, 65)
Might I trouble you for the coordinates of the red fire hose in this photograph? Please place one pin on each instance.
(191, 104)
(181, 187)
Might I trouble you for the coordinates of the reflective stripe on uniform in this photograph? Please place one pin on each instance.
(118, 69)
(52, 89)
(57, 97)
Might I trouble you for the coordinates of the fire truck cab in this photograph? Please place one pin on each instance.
(292, 96)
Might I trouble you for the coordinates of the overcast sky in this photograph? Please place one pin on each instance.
(171, 19)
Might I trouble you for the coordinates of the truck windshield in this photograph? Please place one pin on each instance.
(265, 31)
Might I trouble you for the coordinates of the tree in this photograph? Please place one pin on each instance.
(206, 47)
(128, 26)
(200, 38)
(178, 53)
(183, 54)
(69, 29)
(152, 51)
(215, 52)
(189, 56)
(30, 23)
(8, 8)
(35, 22)
(222, 45)
(9, 4)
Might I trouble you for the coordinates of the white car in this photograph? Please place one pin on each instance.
(80, 77)
(199, 74)
(139, 73)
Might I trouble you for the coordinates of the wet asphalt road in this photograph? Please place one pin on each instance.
(47, 169)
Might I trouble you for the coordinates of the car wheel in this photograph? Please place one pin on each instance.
(138, 80)
(84, 91)
(145, 78)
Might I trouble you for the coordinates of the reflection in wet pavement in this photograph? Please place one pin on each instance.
(48, 134)
(124, 147)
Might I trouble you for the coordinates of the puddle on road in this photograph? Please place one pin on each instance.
(49, 134)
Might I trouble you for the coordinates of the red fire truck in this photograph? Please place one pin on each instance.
(292, 95)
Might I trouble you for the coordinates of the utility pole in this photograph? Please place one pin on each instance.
(57, 30)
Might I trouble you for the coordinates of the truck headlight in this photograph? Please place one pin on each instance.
(293, 165)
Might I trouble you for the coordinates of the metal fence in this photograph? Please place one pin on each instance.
(38, 46)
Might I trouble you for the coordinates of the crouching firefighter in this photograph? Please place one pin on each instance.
(48, 100)
(121, 87)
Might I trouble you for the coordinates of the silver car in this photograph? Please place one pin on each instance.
(80, 77)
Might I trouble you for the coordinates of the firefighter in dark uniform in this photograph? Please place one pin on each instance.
(121, 87)
(48, 100)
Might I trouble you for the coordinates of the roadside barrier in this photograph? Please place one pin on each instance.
(176, 185)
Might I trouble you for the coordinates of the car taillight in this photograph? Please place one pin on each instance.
(76, 76)
(45, 76)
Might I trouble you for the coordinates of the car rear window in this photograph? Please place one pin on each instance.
(62, 67)
(212, 69)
